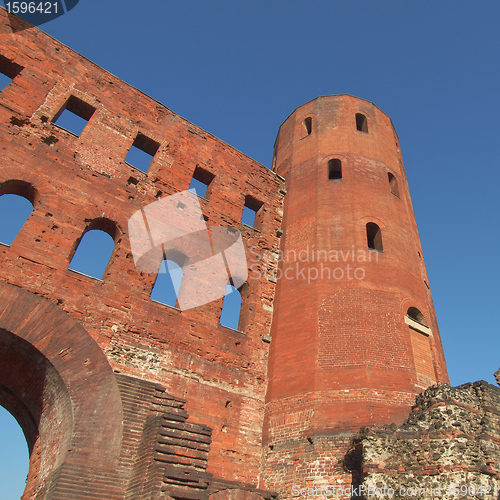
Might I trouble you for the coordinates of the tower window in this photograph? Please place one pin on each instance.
(361, 123)
(201, 182)
(251, 211)
(307, 127)
(74, 115)
(393, 184)
(334, 169)
(8, 71)
(374, 237)
(94, 249)
(141, 153)
(414, 314)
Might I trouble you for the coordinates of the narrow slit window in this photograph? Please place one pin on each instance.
(307, 126)
(231, 308)
(142, 152)
(393, 184)
(361, 123)
(74, 115)
(168, 283)
(8, 71)
(17, 199)
(94, 249)
(201, 182)
(374, 237)
(251, 212)
(334, 169)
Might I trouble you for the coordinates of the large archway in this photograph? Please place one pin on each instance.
(59, 386)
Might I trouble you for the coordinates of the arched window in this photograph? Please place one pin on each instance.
(361, 123)
(307, 127)
(334, 169)
(414, 314)
(168, 283)
(94, 248)
(231, 308)
(17, 199)
(374, 237)
(393, 184)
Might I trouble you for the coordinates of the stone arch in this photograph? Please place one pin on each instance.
(58, 384)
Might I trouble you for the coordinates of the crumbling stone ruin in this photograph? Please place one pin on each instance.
(449, 447)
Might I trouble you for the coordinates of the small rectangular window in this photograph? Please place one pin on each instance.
(74, 115)
(201, 182)
(334, 169)
(8, 71)
(251, 212)
(306, 127)
(361, 123)
(142, 152)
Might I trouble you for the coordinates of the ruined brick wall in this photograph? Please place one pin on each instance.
(448, 448)
(75, 182)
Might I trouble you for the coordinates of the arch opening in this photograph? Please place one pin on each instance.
(414, 314)
(334, 169)
(374, 237)
(393, 184)
(17, 200)
(14, 460)
(168, 283)
(361, 123)
(33, 392)
(94, 249)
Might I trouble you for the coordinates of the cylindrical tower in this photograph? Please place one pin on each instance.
(354, 335)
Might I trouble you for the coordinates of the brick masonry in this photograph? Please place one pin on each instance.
(121, 397)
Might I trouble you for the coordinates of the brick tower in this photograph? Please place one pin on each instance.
(354, 331)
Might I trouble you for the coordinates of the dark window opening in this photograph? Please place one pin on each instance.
(8, 71)
(251, 212)
(142, 152)
(201, 182)
(74, 115)
(231, 308)
(374, 237)
(414, 314)
(334, 169)
(393, 184)
(168, 283)
(17, 199)
(361, 123)
(307, 127)
(93, 250)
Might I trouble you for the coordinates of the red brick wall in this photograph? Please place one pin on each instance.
(220, 373)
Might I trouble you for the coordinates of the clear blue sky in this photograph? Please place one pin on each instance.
(239, 68)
